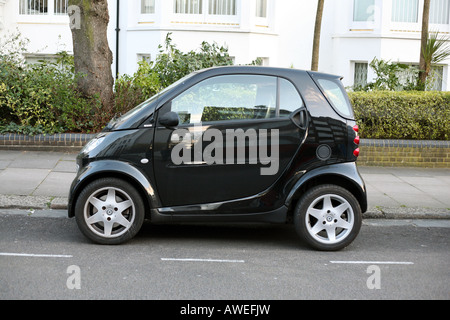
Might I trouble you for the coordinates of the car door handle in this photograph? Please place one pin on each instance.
(300, 118)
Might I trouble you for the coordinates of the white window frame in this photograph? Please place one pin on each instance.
(205, 18)
(369, 24)
(442, 27)
(405, 25)
(50, 17)
(146, 18)
(355, 63)
(396, 26)
(61, 2)
(142, 6)
(263, 21)
(144, 57)
(189, 17)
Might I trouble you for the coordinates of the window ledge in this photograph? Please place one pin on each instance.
(43, 19)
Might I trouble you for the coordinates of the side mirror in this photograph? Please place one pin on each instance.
(169, 119)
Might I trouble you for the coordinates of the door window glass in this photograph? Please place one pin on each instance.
(289, 98)
(231, 97)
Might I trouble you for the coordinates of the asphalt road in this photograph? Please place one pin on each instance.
(48, 258)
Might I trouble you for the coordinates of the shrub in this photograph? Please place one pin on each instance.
(171, 65)
(413, 115)
(42, 98)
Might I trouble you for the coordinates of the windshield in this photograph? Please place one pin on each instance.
(130, 114)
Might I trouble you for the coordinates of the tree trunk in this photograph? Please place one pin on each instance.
(316, 41)
(92, 55)
(424, 39)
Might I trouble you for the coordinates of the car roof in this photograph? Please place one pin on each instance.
(262, 70)
(249, 70)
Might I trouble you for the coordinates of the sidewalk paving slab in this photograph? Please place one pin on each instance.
(41, 180)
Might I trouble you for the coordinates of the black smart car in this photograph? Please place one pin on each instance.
(228, 144)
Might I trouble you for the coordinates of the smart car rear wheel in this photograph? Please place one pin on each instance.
(109, 211)
(328, 217)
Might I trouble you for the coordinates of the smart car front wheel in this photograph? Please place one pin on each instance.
(328, 217)
(109, 211)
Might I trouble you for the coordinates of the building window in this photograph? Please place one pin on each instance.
(261, 8)
(405, 11)
(215, 7)
(147, 6)
(360, 79)
(435, 79)
(363, 10)
(222, 7)
(60, 7)
(43, 7)
(188, 6)
(144, 57)
(440, 11)
(33, 7)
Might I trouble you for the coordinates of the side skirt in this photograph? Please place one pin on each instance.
(165, 215)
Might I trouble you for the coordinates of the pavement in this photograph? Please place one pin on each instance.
(38, 180)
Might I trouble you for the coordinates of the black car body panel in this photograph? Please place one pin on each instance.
(316, 146)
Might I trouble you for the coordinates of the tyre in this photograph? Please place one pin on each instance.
(328, 217)
(109, 211)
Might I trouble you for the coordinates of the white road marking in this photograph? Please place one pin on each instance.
(203, 260)
(373, 262)
(35, 255)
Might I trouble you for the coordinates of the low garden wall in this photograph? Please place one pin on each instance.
(374, 152)
(405, 153)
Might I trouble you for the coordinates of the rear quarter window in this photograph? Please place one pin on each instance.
(337, 96)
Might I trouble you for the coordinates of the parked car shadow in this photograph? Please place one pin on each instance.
(223, 234)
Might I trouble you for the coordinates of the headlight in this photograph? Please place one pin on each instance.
(92, 144)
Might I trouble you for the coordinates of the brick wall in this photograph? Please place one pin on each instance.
(63, 141)
(405, 153)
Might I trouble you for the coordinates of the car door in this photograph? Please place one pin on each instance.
(235, 137)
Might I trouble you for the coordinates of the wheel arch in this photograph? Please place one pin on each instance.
(353, 183)
(117, 170)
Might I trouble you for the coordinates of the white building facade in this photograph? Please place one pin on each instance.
(280, 32)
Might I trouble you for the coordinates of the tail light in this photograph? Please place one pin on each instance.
(357, 140)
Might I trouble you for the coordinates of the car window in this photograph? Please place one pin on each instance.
(230, 97)
(290, 100)
(337, 96)
(133, 112)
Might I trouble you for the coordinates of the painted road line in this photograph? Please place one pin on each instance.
(32, 255)
(373, 262)
(203, 260)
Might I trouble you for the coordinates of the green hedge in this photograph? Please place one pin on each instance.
(402, 115)
(42, 98)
